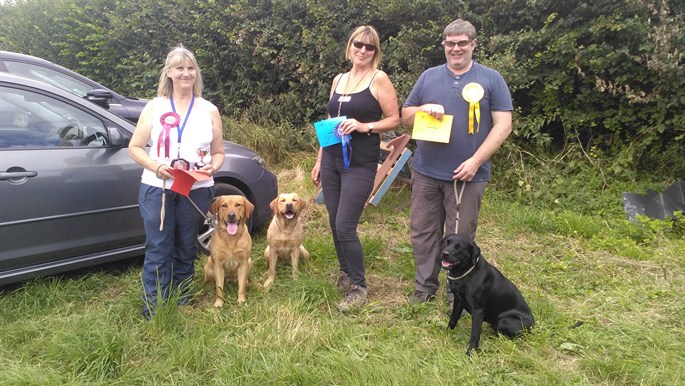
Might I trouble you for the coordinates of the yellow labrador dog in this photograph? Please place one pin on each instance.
(230, 247)
(285, 234)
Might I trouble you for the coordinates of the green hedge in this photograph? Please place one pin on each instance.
(605, 74)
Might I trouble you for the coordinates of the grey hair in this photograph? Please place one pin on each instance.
(460, 27)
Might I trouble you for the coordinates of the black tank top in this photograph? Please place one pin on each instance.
(363, 107)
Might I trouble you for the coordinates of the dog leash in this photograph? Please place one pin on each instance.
(466, 273)
(162, 211)
(457, 198)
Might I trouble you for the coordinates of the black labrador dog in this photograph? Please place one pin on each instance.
(483, 291)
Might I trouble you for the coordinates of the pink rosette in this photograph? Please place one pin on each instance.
(170, 119)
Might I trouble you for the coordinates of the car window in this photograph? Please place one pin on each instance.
(31, 119)
(46, 75)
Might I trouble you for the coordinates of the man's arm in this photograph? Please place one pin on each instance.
(498, 134)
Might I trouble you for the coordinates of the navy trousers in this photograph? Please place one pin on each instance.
(171, 252)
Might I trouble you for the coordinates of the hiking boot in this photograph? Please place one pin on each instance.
(343, 283)
(419, 297)
(356, 298)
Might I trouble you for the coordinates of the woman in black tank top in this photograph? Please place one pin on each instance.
(346, 171)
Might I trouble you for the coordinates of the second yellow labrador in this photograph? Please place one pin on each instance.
(230, 247)
(285, 234)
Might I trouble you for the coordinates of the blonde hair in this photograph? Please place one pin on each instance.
(176, 56)
(369, 32)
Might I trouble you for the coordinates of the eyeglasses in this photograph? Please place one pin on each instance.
(462, 43)
(359, 45)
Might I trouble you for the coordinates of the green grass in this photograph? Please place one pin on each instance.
(607, 296)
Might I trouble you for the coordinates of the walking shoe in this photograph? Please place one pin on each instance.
(356, 298)
(343, 283)
(145, 313)
(419, 297)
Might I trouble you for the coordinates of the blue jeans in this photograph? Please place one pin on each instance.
(345, 192)
(171, 252)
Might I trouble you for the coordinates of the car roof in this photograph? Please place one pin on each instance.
(26, 58)
(236, 150)
(8, 55)
(40, 86)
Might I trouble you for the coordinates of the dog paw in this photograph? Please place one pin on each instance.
(468, 351)
(219, 303)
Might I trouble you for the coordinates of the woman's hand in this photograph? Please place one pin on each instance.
(316, 175)
(208, 170)
(162, 172)
(349, 125)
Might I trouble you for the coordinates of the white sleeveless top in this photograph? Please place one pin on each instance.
(195, 140)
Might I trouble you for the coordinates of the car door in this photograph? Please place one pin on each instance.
(65, 191)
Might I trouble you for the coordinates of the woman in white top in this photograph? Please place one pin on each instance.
(185, 132)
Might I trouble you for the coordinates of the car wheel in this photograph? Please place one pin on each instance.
(204, 236)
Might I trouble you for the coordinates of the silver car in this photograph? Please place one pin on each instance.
(69, 190)
(47, 72)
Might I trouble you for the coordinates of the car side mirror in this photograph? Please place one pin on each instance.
(100, 97)
(115, 138)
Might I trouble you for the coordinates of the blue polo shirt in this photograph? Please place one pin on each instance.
(439, 85)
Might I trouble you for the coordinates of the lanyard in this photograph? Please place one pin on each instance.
(180, 128)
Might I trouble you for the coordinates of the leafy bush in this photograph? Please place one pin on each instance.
(274, 142)
(606, 75)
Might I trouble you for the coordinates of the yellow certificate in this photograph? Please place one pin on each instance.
(428, 128)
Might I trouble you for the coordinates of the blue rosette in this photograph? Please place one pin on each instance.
(345, 139)
(328, 133)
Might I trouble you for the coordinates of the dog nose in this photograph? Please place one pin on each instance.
(289, 206)
(231, 215)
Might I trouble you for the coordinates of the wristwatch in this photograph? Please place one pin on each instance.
(370, 125)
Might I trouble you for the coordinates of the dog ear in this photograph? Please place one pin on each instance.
(301, 204)
(474, 251)
(443, 242)
(248, 207)
(274, 204)
(214, 208)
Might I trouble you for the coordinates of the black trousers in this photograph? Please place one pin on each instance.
(345, 192)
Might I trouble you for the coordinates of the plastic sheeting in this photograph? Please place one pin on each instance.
(658, 205)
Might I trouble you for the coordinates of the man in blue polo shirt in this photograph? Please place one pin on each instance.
(449, 179)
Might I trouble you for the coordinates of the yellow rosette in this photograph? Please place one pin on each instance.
(473, 93)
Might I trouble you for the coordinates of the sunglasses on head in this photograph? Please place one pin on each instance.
(359, 45)
(461, 43)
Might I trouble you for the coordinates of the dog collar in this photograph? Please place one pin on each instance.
(466, 273)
